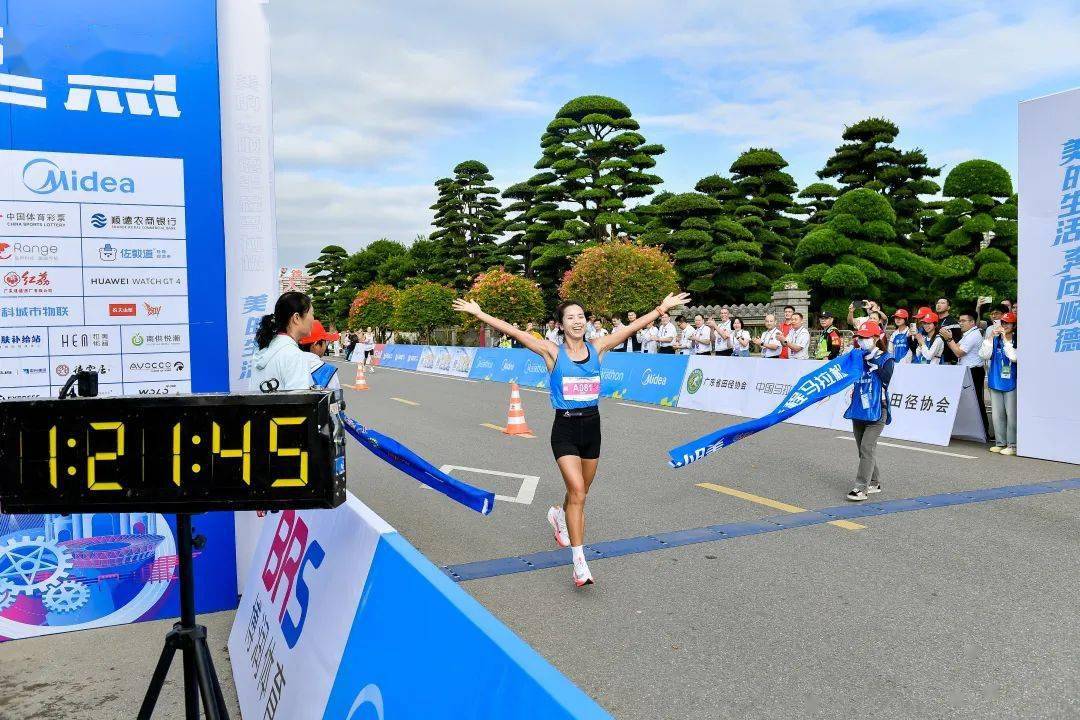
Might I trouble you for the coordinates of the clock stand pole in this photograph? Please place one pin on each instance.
(200, 678)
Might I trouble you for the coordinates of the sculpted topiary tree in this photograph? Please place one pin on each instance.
(468, 220)
(765, 193)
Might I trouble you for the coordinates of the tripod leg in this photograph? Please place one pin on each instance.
(191, 689)
(156, 682)
(206, 682)
(217, 684)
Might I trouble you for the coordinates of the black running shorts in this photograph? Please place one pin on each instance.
(578, 434)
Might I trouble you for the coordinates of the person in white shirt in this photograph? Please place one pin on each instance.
(930, 345)
(590, 329)
(686, 336)
(666, 335)
(279, 363)
(552, 333)
(702, 337)
(598, 329)
(722, 332)
(649, 338)
(740, 339)
(797, 340)
(967, 355)
(616, 326)
(770, 341)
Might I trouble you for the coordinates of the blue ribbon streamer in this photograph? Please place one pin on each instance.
(408, 462)
(829, 379)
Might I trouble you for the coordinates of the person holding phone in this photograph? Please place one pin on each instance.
(928, 344)
(999, 352)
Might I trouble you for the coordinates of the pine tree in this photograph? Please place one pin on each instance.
(327, 277)
(765, 196)
(869, 160)
(819, 199)
(469, 218)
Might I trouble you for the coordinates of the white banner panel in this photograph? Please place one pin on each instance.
(1048, 424)
(924, 398)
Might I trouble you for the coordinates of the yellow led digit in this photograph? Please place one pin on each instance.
(244, 452)
(289, 452)
(52, 456)
(176, 454)
(91, 462)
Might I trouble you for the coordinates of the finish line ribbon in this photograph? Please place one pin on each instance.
(408, 462)
(829, 379)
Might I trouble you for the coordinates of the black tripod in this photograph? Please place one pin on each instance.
(199, 675)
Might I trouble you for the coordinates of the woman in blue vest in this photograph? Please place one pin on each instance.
(574, 368)
(999, 352)
(869, 409)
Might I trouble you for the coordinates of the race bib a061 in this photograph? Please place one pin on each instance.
(581, 389)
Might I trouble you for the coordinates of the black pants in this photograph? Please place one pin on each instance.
(667, 350)
(978, 377)
(725, 353)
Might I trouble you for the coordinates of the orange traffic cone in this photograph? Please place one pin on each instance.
(361, 381)
(515, 419)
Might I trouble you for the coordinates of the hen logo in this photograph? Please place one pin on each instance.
(291, 555)
(98, 220)
(44, 177)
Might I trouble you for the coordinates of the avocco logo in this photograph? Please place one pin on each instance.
(694, 381)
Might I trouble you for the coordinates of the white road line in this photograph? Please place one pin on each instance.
(650, 407)
(525, 493)
(428, 374)
(535, 390)
(916, 449)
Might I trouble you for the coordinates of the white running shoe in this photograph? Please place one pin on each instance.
(582, 576)
(557, 520)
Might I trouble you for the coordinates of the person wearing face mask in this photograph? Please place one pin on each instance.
(279, 363)
(869, 409)
(999, 352)
(574, 380)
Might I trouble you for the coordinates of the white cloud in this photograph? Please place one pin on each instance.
(314, 212)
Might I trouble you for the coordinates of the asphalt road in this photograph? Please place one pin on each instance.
(966, 611)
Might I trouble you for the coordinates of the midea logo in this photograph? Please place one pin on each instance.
(44, 177)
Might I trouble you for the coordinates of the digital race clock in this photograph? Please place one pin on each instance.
(186, 454)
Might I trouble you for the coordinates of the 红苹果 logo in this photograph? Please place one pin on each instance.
(694, 381)
(42, 176)
(99, 220)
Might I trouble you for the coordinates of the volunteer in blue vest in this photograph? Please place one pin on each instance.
(928, 342)
(574, 369)
(999, 352)
(869, 408)
(900, 340)
(323, 374)
(279, 363)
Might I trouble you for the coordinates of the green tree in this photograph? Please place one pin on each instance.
(362, 269)
(819, 199)
(974, 239)
(868, 159)
(617, 277)
(594, 160)
(765, 196)
(530, 221)
(373, 307)
(507, 296)
(854, 255)
(423, 307)
(327, 276)
(468, 218)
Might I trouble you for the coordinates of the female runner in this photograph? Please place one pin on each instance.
(574, 369)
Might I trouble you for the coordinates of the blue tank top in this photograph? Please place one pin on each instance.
(575, 385)
(868, 395)
(1002, 375)
(900, 348)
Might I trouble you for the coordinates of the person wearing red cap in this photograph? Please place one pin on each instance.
(323, 374)
(869, 409)
(900, 342)
(999, 352)
(930, 345)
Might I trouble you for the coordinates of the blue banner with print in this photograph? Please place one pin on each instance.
(421, 647)
(524, 367)
(643, 378)
(402, 357)
(829, 379)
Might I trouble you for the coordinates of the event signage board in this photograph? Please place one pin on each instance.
(650, 378)
(401, 357)
(524, 367)
(1048, 394)
(925, 399)
(342, 618)
(441, 360)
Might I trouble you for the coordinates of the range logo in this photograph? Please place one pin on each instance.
(6, 251)
(291, 555)
(122, 309)
(42, 176)
(107, 253)
(29, 252)
(99, 220)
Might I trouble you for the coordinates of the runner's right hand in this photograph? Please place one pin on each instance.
(467, 306)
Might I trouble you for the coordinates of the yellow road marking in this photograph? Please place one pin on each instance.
(775, 504)
(403, 400)
(500, 428)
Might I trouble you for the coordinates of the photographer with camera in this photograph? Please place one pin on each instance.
(872, 313)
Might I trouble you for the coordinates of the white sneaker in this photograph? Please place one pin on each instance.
(582, 576)
(1008, 451)
(996, 449)
(557, 519)
(873, 488)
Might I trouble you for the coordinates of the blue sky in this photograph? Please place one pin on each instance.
(375, 101)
